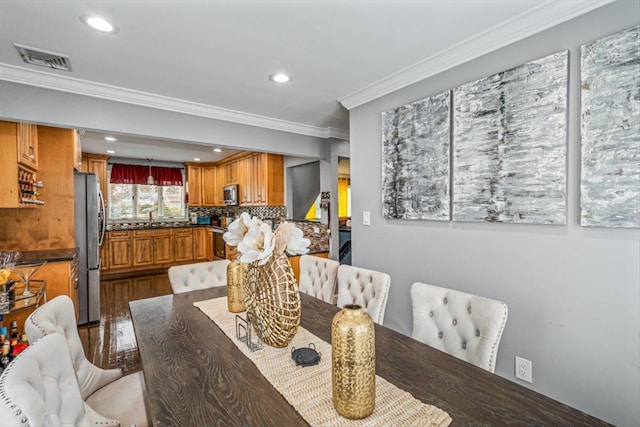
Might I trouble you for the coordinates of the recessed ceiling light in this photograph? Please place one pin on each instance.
(98, 23)
(111, 152)
(110, 138)
(217, 150)
(196, 159)
(280, 78)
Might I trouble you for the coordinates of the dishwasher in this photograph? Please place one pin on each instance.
(219, 245)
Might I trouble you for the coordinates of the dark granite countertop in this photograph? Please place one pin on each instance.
(49, 255)
(153, 226)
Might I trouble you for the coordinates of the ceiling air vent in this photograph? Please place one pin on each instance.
(43, 58)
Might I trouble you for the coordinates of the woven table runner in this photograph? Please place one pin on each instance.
(308, 389)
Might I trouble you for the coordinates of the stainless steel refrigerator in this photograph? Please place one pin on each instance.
(90, 225)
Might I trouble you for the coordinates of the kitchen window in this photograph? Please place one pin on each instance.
(131, 198)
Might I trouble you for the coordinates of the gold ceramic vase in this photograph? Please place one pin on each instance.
(353, 362)
(236, 273)
(273, 300)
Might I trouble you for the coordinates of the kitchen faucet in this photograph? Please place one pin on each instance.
(150, 218)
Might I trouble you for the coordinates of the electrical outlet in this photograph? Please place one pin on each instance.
(523, 369)
(316, 230)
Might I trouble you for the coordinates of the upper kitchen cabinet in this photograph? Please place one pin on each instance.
(27, 138)
(194, 183)
(267, 180)
(209, 184)
(19, 189)
(230, 172)
(202, 181)
(245, 181)
(97, 163)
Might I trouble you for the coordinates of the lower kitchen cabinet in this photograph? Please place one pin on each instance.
(125, 251)
(62, 279)
(201, 243)
(183, 244)
(151, 247)
(119, 250)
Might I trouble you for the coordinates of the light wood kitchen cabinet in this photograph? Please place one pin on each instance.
(194, 180)
(120, 254)
(245, 181)
(151, 247)
(209, 244)
(142, 243)
(230, 172)
(182, 244)
(261, 180)
(28, 145)
(202, 181)
(163, 247)
(200, 246)
(209, 184)
(97, 163)
(62, 279)
(220, 182)
(18, 177)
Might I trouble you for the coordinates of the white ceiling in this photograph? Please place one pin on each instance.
(213, 58)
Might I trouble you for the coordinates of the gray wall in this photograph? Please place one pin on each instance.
(573, 292)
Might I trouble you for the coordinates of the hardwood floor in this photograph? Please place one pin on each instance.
(112, 343)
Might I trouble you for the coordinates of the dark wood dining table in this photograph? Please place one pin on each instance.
(196, 376)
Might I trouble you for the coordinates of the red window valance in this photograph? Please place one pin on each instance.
(138, 174)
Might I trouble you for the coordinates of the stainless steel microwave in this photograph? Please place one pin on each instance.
(230, 195)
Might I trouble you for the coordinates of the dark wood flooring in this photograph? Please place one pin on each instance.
(112, 342)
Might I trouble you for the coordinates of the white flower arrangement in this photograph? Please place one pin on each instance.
(256, 241)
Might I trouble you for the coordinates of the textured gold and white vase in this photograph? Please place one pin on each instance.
(353, 362)
(273, 300)
(236, 273)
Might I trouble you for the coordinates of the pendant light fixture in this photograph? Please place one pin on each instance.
(150, 180)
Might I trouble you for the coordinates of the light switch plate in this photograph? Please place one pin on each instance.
(366, 218)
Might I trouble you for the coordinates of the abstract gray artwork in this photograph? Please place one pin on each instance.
(415, 156)
(509, 143)
(610, 187)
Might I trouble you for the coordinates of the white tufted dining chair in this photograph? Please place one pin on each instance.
(367, 288)
(106, 391)
(40, 388)
(199, 275)
(318, 277)
(464, 325)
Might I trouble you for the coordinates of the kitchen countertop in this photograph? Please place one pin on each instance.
(49, 255)
(154, 226)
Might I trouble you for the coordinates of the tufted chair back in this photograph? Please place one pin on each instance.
(200, 275)
(58, 316)
(464, 325)
(40, 388)
(318, 277)
(106, 391)
(367, 288)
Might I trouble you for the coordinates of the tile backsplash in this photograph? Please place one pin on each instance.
(275, 212)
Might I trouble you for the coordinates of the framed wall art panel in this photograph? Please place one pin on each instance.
(610, 90)
(415, 159)
(510, 143)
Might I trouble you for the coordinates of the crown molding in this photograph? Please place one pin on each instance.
(26, 76)
(547, 14)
